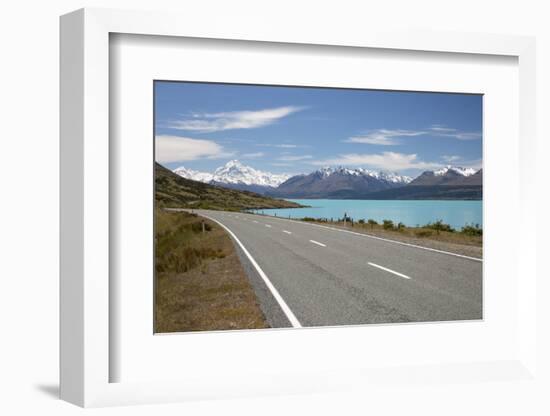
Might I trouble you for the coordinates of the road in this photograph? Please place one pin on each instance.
(313, 275)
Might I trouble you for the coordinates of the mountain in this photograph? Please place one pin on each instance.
(193, 174)
(172, 190)
(447, 183)
(338, 182)
(450, 182)
(449, 175)
(235, 175)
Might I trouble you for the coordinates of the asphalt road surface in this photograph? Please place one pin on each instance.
(310, 275)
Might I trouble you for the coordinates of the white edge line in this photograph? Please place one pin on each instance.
(268, 226)
(289, 314)
(318, 243)
(389, 270)
(384, 239)
(288, 232)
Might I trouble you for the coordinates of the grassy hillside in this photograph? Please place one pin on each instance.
(174, 191)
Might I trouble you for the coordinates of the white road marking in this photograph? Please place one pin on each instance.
(389, 270)
(289, 314)
(268, 226)
(384, 239)
(318, 243)
(255, 221)
(288, 232)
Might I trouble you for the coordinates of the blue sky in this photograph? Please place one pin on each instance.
(297, 130)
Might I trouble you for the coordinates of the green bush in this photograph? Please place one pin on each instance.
(372, 223)
(439, 226)
(361, 221)
(472, 229)
(387, 224)
(400, 226)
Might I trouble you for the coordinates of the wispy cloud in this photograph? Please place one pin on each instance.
(281, 164)
(459, 160)
(252, 155)
(443, 131)
(282, 145)
(231, 120)
(450, 158)
(390, 137)
(383, 137)
(175, 148)
(294, 158)
(286, 146)
(384, 161)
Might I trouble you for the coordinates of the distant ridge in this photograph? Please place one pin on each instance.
(339, 182)
(449, 182)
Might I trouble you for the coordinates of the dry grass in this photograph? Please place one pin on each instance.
(201, 284)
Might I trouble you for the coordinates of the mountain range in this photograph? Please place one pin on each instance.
(450, 182)
(172, 190)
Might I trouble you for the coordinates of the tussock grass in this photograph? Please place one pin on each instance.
(200, 282)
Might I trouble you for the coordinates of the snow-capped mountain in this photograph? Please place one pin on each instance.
(345, 183)
(456, 169)
(339, 182)
(449, 175)
(383, 176)
(237, 176)
(193, 174)
(235, 172)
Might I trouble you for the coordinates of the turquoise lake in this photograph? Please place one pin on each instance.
(410, 213)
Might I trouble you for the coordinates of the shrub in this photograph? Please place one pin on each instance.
(400, 226)
(439, 226)
(308, 219)
(361, 221)
(387, 224)
(472, 229)
(372, 223)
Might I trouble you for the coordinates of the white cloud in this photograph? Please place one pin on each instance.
(450, 158)
(390, 137)
(175, 148)
(282, 164)
(294, 158)
(252, 155)
(231, 120)
(384, 161)
(442, 131)
(286, 146)
(383, 137)
(281, 146)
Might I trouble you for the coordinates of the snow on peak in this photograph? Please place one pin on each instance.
(193, 174)
(234, 172)
(383, 176)
(456, 169)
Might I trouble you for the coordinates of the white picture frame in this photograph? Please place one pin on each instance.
(85, 212)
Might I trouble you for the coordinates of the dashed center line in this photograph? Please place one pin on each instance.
(255, 221)
(318, 243)
(268, 226)
(287, 232)
(389, 270)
